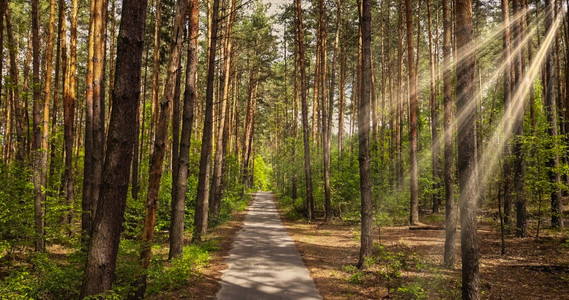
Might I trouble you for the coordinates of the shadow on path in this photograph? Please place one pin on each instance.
(264, 262)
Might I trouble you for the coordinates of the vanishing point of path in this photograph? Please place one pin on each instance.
(264, 262)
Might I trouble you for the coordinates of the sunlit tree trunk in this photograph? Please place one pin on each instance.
(435, 144)
(155, 109)
(550, 103)
(87, 202)
(102, 254)
(508, 82)
(450, 205)
(190, 94)
(518, 151)
(363, 135)
(69, 98)
(413, 102)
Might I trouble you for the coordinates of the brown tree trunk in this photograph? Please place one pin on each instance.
(363, 136)
(399, 112)
(435, 143)
(69, 97)
(413, 102)
(550, 103)
(14, 89)
(450, 205)
(466, 151)
(508, 82)
(60, 70)
(102, 254)
(216, 189)
(87, 202)
(41, 155)
(161, 138)
(305, 129)
(190, 95)
(518, 151)
(202, 206)
(155, 109)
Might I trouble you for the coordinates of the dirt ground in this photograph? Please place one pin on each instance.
(530, 269)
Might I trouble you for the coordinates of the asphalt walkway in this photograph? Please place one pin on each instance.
(264, 262)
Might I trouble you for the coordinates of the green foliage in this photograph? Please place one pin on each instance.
(166, 276)
(261, 174)
(16, 208)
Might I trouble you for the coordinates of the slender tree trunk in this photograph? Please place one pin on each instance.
(161, 138)
(98, 130)
(69, 99)
(87, 202)
(550, 103)
(60, 71)
(202, 206)
(104, 244)
(399, 111)
(16, 110)
(155, 109)
(41, 155)
(466, 151)
(363, 135)
(305, 129)
(508, 82)
(450, 205)
(216, 190)
(518, 151)
(341, 100)
(190, 95)
(435, 144)
(413, 102)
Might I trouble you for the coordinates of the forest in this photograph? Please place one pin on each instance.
(416, 149)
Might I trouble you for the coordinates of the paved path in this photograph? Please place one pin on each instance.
(264, 263)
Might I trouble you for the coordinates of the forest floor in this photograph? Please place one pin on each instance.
(408, 264)
(206, 283)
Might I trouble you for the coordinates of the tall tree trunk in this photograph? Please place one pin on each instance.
(466, 151)
(450, 205)
(341, 100)
(60, 70)
(216, 189)
(328, 144)
(104, 244)
(399, 111)
(414, 179)
(202, 206)
(508, 82)
(98, 130)
(190, 95)
(518, 151)
(14, 89)
(155, 109)
(305, 129)
(40, 161)
(87, 202)
(363, 135)
(69, 97)
(435, 143)
(550, 103)
(161, 138)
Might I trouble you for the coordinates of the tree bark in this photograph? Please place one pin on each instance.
(435, 143)
(518, 151)
(102, 254)
(216, 192)
(69, 98)
(305, 129)
(202, 206)
(466, 151)
(363, 136)
(550, 102)
(413, 101)
(450, 205)
(161, 138)
(508, 82)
